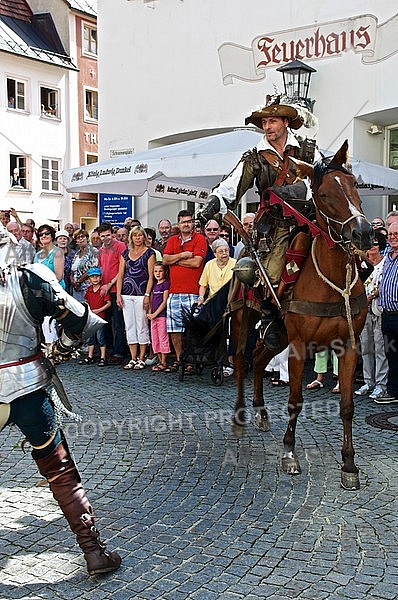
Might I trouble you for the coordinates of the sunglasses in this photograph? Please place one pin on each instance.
(224, 235)
(377, 223)
(42, 233)
(212, 229)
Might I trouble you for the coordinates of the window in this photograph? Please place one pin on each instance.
(91, 105)
(50, 170)
(16, 94)
(89, 39)
(19, 171)
(49, 101)
(91, 158)
(393, 150)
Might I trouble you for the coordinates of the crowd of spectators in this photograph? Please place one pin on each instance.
(146, 280)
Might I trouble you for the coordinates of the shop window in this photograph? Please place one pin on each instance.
(49, 102)
(91, 105)
(19, 172)
(16, 94)
(89, 39)
(50, 170)
(91, 158)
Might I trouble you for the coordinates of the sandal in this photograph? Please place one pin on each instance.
(315, 385)
(158, 367)
(139, 365)
(190, 369)
(336, 389)
(172, 368)
(280, 383)
(130, 365)
(86, 361)
(102, 362)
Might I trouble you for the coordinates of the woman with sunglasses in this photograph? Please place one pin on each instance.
(49, 254)
(54, 258)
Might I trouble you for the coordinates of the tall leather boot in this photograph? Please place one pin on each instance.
(61, 473)
(269, 325)
(212, 208)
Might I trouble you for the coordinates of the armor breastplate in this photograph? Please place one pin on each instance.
(19, 341)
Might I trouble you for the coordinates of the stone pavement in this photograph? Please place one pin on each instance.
(196, 513)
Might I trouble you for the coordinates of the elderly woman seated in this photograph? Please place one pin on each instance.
(217, 272)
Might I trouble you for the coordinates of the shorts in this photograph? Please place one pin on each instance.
(177, 306)
(98, 336)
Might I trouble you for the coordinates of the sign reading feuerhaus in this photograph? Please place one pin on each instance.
(357, 34)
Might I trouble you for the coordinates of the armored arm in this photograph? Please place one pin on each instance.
(44, 296)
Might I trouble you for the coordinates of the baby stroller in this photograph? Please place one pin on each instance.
(204, 340)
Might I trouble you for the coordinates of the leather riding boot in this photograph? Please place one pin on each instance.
(269, 325)
(212, 208)
(61, 473)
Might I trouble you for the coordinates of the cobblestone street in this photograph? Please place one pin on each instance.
(196, 513)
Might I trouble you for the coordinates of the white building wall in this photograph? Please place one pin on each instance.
(161, 71)
(30, 134)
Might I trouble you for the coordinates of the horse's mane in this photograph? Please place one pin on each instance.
(323, 166)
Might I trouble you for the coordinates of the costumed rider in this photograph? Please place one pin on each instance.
(267, 166)
(31, 395)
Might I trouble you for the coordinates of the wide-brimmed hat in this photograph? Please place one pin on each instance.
(274, 108)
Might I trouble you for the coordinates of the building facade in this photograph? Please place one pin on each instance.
(37, 75)
(49, 106)
(173, 70)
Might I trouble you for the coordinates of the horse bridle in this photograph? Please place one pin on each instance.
(320, 169)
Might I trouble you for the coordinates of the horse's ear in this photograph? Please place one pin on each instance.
(341, 156)
(301, 169)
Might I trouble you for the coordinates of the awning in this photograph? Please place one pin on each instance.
(189, 170)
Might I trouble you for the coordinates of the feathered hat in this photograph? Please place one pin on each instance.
(279, 105)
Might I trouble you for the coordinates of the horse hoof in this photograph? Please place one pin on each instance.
(350, 481)
(261, 422)
(237, 430)
(291, 466)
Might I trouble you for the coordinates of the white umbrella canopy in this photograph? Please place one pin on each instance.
(202, 163)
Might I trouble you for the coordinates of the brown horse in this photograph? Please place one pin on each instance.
(326, 308)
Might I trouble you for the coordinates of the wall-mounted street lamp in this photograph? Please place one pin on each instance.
(296, 81)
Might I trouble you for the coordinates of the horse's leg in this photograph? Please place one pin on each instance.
(239, 369)
(261, 357)
(349, 471)
(290, 463)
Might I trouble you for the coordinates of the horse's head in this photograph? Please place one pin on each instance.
(336, 199)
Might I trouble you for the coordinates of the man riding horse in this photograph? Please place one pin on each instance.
(268, 166)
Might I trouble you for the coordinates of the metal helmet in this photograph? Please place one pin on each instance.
(245, 270)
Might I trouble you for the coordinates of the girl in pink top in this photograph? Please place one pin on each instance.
(157, 316)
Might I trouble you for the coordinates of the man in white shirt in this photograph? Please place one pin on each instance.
(24, 249)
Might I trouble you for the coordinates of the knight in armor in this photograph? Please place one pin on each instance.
(31, 395)
(267, 166)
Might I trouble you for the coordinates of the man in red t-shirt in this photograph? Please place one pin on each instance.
(184, 254)
(109, 259)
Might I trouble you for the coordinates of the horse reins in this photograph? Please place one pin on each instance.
(345, 293)
(320, 169)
